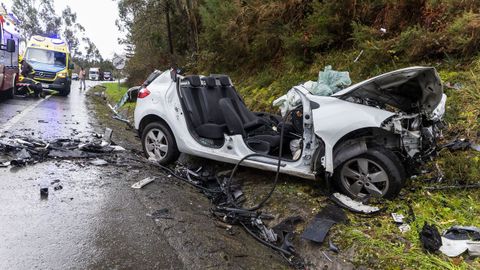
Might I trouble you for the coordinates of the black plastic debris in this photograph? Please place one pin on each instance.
(430, 238)
(332, 246)
(458, 145)
(56, 184)
(43, 189)
(44, 192)
(76, 153)
(318, 229)
(163, 213)
(288, 225)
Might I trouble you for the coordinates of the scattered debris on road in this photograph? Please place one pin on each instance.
(98, 162)
(22, 151)
(459, 239)
(160, 213)
(318, 229)
(143, 182)
(228, 199)
(352, 205)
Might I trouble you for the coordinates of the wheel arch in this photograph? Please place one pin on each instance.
(358, 141)
(150, 118)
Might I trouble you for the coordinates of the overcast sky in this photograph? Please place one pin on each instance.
(98, 17)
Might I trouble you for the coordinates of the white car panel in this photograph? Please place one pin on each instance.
(328, 118)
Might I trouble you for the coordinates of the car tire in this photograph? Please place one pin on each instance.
(159, 143)
(11, 92)
(65, 92)
(377, 172)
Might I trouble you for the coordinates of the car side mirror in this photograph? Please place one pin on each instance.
(10, 45)
(71, 66)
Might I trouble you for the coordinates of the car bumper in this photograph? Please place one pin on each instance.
(57, 84)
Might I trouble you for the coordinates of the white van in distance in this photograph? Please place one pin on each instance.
(93, 74)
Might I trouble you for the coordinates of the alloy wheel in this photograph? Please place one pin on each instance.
(156, 144)
(364, 177)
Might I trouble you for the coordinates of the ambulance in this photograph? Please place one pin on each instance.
(51, 60)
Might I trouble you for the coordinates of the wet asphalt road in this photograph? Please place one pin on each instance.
(96, 221)
(90, 223)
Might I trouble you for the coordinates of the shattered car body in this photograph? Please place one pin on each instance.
(408, 104)
(364, 136)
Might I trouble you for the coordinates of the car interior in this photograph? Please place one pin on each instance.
(213, 108)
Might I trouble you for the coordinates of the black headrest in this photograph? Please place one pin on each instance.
(224, 80)
(210, 81)
(194, 80)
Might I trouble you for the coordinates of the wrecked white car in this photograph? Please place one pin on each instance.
(365, 137)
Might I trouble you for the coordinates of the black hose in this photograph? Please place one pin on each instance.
(266, 198)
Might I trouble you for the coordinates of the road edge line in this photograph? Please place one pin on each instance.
(19, 116)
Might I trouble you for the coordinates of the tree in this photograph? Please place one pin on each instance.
(27, 13)
(159, 33)
(38, 17)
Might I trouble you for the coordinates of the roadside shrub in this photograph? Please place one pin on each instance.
(463, 35)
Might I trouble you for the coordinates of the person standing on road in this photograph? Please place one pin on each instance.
(82, 76)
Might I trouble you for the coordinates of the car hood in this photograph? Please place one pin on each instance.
(46, 67)
(408, 90)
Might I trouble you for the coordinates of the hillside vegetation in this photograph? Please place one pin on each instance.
(268, 46)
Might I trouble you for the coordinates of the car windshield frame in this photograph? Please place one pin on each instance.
(49, 57)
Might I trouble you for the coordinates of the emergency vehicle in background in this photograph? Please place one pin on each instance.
(9, 40)
(51, 60)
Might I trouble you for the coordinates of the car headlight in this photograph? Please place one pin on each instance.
(62, 74)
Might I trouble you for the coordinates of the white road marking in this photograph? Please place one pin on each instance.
(19, 116)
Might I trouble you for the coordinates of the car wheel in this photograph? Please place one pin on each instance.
(10, 92)
(378, 172)
(65, 92)
(159, 144)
